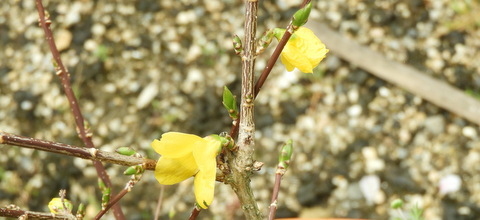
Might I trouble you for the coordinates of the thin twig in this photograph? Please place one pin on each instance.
(74, 151)
(128, 187)
(268, 68)
(274, 202)
(64, 75)
(112, 202)
(195, 213)
(22, 214)
(72, 100)
(159, 202)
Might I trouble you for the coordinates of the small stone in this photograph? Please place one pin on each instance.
(469, 132)
(449, 184)
(435, 124)
(370, 188)
(98, 29)
(186, 17)
(354, 111)
(353, 95)
(63, 39)
(147, 95)
(383, 91)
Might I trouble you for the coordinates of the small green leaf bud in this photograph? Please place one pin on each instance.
(105, 198)
(101, 185)
(237, 44)
(230, 103)
(396, 204)
(301, 16)
(285, 155)
(130, 171)
(80, 211)
(127, 151)
(278, 33)
(265, 41)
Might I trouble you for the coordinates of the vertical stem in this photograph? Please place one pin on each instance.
(241, 163)
(72, 100)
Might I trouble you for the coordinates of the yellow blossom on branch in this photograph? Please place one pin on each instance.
(56, 206)
(187, 155)
(303, 50)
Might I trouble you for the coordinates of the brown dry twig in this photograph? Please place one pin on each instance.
(74, 151)
(62, 73)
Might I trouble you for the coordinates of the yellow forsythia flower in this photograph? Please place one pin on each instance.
(304, 51)
(56, 207)
(186, 155)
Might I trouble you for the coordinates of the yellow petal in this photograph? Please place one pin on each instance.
(297, 58)
(56, 206)
(311, 46)
(175, 144)
(287, 64)
(204, 187)
(170, 171)
(303, 51)
(205, 153)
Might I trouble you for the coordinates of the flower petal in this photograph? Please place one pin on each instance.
(204, 186)
(175, 144)
(287, 64)
(205, 153)
(311, 46)
(170, 171)
(295, 57)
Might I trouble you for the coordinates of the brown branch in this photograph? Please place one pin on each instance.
(114, 201)
(241, 161)
(65, 79)
(22, 214)
(130, 184)
(159, 203)
(74, 151)
(195, 213)
(268, 68)
(273, 203)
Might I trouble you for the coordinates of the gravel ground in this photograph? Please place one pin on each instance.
(142, 68)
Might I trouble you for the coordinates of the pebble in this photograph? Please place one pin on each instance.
(147, 95)
(370, 188)
(63, 39)
(469, 132)
(435, 124)
(449, 184)
(354, 111)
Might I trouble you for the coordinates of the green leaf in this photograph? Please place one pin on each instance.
(130, 171)
(396, 204)
(105, 198)
(237, 44)
(101, 185)
(127, 151)
(416, 213)
(265, 41)
(301, 16)
(230, 103)
(285, 155)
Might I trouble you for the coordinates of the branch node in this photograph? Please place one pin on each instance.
(93, 152)
(257, 165)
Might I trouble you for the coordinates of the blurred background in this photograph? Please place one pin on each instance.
(142, 68)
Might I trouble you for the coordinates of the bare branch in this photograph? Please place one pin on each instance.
(22, 214)
(274, 202)
(241, 161)
(62, 72)
(74, 151)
